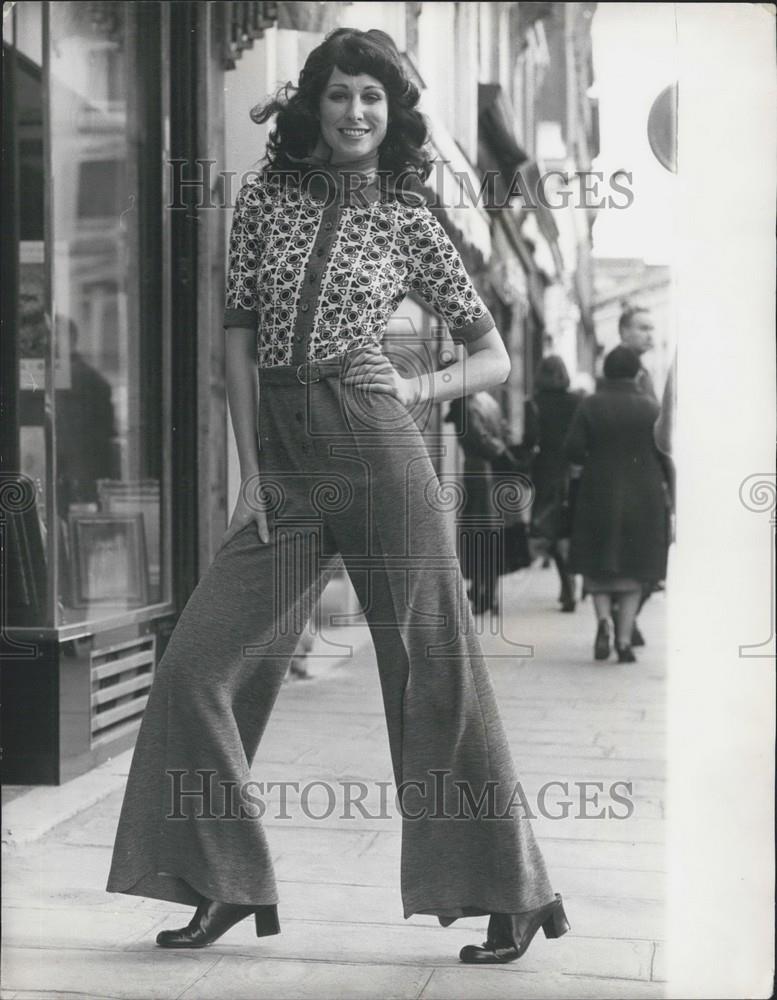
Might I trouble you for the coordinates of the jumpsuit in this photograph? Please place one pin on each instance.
(346, 478)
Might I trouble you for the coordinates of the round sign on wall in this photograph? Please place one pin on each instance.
(662, 127)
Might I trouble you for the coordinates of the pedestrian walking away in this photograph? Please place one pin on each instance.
(547, 419)
(636, 329)
(620, 535)
(326, 241)
(481, 540)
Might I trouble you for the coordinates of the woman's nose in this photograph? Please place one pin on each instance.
(354, 112)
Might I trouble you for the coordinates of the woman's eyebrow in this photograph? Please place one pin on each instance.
(367, 86)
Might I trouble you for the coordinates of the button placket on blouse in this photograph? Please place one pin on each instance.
(311, 281)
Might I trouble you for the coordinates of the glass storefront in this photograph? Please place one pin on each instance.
(91, 392)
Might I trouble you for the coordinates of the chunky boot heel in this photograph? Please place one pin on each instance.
(266, 920)
(557, 924)
(212, 919)
(505, 944)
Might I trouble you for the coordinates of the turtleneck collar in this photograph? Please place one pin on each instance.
(367, 164)
(355, 183)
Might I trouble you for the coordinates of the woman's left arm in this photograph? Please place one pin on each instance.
(487, 364)
(437, 274)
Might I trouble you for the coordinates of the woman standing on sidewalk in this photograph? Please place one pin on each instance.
(319, 260)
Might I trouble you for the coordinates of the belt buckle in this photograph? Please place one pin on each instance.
(307, 365)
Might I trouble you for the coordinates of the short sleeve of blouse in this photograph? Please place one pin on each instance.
(241, 302)
(438, 275)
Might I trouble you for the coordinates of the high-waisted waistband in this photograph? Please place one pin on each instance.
(304, 374)
(308, 371)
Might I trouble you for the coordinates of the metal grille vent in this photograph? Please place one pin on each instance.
(121, 677)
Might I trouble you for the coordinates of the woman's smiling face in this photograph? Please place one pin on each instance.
(354, 115)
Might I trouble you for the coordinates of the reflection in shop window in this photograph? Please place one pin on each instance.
(108, 465)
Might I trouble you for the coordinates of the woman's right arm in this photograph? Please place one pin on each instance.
(243, 397)
(240, 324)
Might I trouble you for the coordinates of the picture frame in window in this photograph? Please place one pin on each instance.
(108, 562)
(137, 496)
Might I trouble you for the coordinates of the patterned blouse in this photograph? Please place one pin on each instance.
(318, 270)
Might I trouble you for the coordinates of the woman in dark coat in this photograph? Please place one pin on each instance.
(547, 420)
(619, 538)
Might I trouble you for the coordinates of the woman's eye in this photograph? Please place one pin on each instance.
(368, 98)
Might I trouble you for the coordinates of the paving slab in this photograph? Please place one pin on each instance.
(76, 927)
(156, 974)
(507, 984)
(242, 978)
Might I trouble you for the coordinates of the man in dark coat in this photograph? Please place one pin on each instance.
(619, 539)
(635, 327)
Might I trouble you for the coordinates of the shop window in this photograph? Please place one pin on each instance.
(89, 317)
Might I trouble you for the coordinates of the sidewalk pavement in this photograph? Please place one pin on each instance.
(570, 720)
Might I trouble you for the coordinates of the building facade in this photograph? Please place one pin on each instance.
(127, 131)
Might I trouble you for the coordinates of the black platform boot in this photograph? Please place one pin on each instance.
(505, 944)
(212, 919)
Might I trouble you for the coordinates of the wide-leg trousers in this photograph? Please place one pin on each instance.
(344, 476)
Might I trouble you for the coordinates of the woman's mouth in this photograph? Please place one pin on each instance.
(353, 133)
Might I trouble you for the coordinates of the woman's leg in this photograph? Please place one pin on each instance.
(185, 830)
(466, 848)
(567, 596)
(603, 610)
(603, 606)
(628, 605)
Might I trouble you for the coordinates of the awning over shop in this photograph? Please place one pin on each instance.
(452, 192)
(242, 22)
(533, 201)
(497, 128)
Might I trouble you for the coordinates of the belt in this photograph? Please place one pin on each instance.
(304, 374)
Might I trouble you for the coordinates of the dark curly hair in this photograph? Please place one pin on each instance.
(352, 51)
